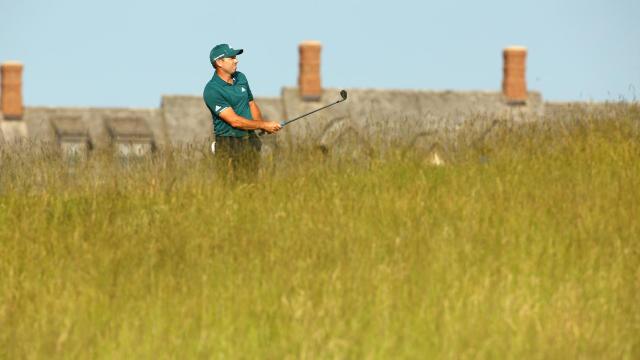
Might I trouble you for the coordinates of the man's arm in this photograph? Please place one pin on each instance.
(255, 111)
(240, 122)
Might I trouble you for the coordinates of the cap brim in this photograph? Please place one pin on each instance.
(237, 52)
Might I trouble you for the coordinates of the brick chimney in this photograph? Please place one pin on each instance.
(514, 84)
(11, 90)
(309, 76)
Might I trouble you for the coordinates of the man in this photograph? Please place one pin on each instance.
(235, 115)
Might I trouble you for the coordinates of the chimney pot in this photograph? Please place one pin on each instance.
(11, 90)
(309, 82)
(514, 84)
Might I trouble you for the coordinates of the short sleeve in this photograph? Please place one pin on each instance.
(215, 101)
(249, 92)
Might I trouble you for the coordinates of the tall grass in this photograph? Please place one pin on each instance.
(524, 245)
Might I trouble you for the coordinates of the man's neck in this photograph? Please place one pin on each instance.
(224, 76)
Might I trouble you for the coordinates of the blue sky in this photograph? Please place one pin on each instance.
(128, 53)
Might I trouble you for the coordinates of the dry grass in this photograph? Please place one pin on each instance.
(525, 245)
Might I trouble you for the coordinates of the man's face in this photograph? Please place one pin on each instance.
(228, 64)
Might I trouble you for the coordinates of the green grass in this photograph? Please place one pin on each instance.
(525, 245)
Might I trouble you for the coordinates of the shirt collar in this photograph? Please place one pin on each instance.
(219, 80)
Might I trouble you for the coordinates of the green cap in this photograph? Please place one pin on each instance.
(223, 50)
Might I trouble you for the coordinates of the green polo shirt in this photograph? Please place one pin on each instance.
(220, 95)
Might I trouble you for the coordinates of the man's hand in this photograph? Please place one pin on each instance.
(271, 126)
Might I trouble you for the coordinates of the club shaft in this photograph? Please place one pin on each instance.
(344, 97)
(309, 113)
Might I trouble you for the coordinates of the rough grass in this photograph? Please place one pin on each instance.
(525, 245)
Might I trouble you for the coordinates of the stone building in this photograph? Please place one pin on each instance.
(403, 116)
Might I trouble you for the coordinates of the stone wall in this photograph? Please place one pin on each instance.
(400, 116)
(572, 110)
(188, 120)
(405, 117)
(82, 129)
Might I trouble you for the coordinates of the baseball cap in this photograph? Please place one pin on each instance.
(223, 50)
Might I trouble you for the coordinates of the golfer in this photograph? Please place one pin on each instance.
(235, 115)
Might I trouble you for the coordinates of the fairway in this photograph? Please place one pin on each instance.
(522, 245)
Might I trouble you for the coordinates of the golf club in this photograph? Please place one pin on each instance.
(343, 95)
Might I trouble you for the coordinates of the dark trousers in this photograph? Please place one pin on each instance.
(238, 158)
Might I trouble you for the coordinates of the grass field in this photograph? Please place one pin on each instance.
(526, 245)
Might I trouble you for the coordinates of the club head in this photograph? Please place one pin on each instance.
(343, 94)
